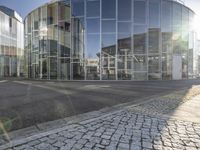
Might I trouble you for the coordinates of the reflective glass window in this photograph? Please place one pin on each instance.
(77, 8)
(93, 45)
(52, 17)
(124, 46)
(124, 74)
(154, 40)
(177, 15)
(140, 39)
(108, 44)
(108, 40)
(185, 27)
(124, 62)
(140, 76)
(93, 26)
(36, 20)
(53, 67)
(93, 8)
(166, 19)
(124, 10)
(124, 27)
(154, 11)
(108, 26)
(154, 61)
(166, 63)
(108, 9)
(140, 12)
(166, 42)
(78, 71)
(64, 12)
(140, 62)
(108, 73)
(65, 68)
(43, 21)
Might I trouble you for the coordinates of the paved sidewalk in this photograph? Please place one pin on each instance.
(158, 124)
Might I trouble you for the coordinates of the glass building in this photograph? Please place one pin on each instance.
(11, 43)
(110, 40)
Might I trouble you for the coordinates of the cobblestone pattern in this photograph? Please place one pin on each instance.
(168, 103)
(123, 131)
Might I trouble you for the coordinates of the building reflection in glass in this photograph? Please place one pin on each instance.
(109, 40)
(11, 43)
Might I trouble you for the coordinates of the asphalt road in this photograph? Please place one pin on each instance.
(26, 103)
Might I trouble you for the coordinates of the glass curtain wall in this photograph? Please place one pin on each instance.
(109, 40)
(48, 42)
(11, 45)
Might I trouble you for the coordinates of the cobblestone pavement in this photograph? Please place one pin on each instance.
(133, 128)
(124, 130)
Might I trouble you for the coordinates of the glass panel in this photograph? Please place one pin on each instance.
(108, 26)
(124, 62)
(65, 68)
(93, 54)
(177, 15)
(124, 74)
(108, 9)
(53, 68)
(167, 63)
(124, 44)
(124, 10)
(64, 11)
(167, 42)
(77, 8)
(78, 38)
(140, 76)
(154, 11)
(140, 39)
(177, 28)
(53, 40)
(93, 26)
(52, 14)
(43, 21)
(140, 12)
(108, 70)
(93, 45)
(185, 29)
(64, 39)
(154, 40)
(36, 20)
(154, 67)
(78, 71)
(140, 63)
(108, 44)
(124, 27)
(93, 8)
(166, 19)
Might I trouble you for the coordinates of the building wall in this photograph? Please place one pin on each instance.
(109, 40)
(11, 46)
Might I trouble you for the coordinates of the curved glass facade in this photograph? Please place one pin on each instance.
(11, 43)
(110, 40)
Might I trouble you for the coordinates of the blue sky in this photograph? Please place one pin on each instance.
(23, 7)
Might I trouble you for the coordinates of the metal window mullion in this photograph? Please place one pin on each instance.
(132, 40)
(58, 49)
(85, 40)
(116, 33)
(100, 56)
(71, 42)
(147, 36)
(160, 39)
